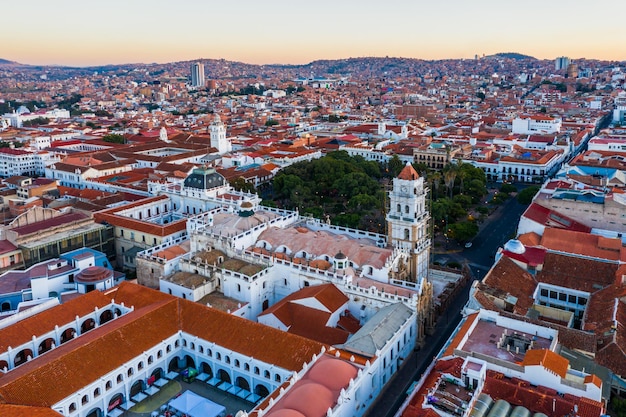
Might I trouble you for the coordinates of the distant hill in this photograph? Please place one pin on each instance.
(7, 62)
(512, 55)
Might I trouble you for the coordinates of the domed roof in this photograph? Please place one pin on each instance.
(340, 256)
(332, 373)
(246, 205)
(204, 179)
(310, 399)
(285, 412)
(93, 274)
(514, 246)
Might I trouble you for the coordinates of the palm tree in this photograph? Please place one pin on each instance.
(449, 176)
(435, 177)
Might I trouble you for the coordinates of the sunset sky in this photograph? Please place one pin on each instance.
(83, 33)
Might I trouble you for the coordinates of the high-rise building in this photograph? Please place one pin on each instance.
(197, 74)
(561, 63)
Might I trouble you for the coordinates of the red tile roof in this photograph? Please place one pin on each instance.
(548, 359)
(408, 173)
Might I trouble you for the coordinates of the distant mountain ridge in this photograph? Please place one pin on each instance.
(512, 55)
(7, 62)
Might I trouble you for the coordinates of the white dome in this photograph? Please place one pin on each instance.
(514, 246)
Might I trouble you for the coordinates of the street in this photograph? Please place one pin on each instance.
(494, 232)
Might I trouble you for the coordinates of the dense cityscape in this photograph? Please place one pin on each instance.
(346, 238)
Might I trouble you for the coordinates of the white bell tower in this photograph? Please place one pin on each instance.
(407, 221)
(218, 136)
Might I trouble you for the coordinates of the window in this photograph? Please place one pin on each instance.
(150, 360)
(96, 392)
(256, 370)
(159, 354)
(544, 292)
(227, 359)
(218, 356)
(130, 372)
(571, 299)
(239, 287)
(406, 209)
(72, 407)
(84, 400)
(277, 378)
(553, 295)
(109, 385)
(266, 374)
(562, 297)
(237, 364)
(120, 378)
(246, 367)
(209, 353)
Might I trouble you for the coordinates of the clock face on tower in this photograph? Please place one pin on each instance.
(403, 189)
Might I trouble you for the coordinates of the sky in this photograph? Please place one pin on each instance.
(89, 32)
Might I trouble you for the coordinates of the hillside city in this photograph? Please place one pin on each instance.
(215, 238)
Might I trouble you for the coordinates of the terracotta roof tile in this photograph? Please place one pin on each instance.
(548, 359)
(408, 173)
(44, 322)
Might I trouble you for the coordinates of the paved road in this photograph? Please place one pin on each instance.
(390, 400)
(497, 230)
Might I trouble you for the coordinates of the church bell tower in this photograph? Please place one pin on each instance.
(407, 221)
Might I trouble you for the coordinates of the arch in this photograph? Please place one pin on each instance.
(95, 412)
(84, 400)
(136, 388)
(261, 390)
(4, 365)
(6, 306)
(150, 359)
(107, 315)
(189, 362)
(67, 335)
(108, 385)
(120, 378)
(45, 346)
(222, 375)
(117, 312)
(173, 365)
(157, 373)
(87, 325)
(22, 357)
(241, 382)
(96, 393)
(206, 368)
(115, 400)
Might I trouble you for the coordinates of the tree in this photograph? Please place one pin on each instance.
(527, 194)
(114, 138)
(240, 184)
(463, 231)
(449, 176)
(508, 188)
(271, 122)
(394, 166)
(36, 122)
